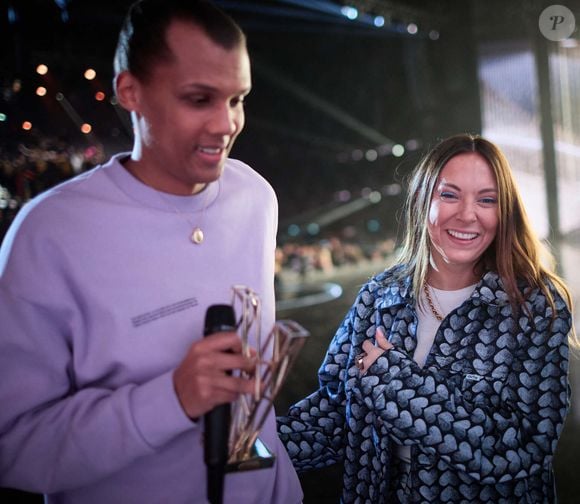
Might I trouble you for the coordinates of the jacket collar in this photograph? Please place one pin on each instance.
(392, 291)
(491, 290)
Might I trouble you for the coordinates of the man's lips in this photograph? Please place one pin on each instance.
(210, 150)
(211, 153)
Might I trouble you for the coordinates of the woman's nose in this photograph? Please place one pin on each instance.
(467, 212)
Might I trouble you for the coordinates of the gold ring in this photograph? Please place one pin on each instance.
(359, 360)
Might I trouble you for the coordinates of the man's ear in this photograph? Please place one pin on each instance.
(127, 90)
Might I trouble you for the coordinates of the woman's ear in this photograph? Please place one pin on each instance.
(127, 91)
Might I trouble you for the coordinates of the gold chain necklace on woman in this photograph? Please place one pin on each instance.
(437, 315)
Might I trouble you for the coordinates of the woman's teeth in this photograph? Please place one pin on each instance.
(462, 236)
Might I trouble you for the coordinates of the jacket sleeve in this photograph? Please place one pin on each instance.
(54, 437)
(493, 428)
(314, 429)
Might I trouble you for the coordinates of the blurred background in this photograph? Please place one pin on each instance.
(347, 96)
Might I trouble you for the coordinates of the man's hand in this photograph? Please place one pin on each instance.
(202, 381)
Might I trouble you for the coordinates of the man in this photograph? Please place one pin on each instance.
(105, 281)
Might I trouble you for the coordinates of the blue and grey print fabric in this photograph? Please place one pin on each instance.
(482, 417)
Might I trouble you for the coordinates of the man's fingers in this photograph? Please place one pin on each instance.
(225, 362)
(221, 388)
(208, 376)
(221, 342)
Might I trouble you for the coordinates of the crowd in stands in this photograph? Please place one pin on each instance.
(318, 260)
(29, 168)
(326, 255)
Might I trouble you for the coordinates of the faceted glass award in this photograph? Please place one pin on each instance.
(275, 356)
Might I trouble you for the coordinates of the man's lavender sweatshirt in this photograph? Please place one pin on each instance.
(101, 294)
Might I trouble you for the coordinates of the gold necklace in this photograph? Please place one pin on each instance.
(197, 236)
(437, 315)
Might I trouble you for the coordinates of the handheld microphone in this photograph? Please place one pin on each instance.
(217, 422)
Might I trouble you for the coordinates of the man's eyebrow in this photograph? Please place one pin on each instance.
(198, 86)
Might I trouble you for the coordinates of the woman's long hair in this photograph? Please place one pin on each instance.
(516, 253)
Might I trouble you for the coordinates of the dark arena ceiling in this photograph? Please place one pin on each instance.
(332, 79)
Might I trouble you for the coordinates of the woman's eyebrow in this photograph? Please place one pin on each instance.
(457, 188)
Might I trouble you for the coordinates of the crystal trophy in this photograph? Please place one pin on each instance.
(275, 356)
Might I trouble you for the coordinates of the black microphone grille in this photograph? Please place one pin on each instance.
(219, 317)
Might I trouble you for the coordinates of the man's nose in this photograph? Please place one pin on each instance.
(224, 121)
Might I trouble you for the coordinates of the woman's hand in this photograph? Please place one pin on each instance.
(372, 352)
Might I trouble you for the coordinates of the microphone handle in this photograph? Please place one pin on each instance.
(217, 421)
(217, 424)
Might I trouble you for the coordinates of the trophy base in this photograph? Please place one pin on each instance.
(260, 458)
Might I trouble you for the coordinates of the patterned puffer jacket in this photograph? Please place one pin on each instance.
(483, 416)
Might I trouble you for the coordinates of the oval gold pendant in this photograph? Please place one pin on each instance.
(197, 236)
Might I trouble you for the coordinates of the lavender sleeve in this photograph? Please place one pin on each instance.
(51, 436)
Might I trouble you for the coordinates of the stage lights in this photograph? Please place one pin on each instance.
(12, 16)
(313, 228)
(349, 12)
(374, 197)
(373, 226)
(400, 20)
(371, 155)
(43, 85)
(374, 153)
(379, 21)
(293, 230)
(398, 150)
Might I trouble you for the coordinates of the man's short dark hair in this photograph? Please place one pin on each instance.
(142, 40)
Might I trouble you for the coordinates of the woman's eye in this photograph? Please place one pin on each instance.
(447, 195)
(489, 201)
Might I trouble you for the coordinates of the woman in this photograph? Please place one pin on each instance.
(447, 381)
